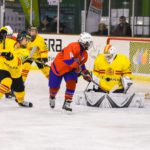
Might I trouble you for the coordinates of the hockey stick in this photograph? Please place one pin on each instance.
(40, 62)
(89, 102)
(31, 53)
(84, 75)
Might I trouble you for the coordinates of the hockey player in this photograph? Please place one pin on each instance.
(20, 46)
(113, 70)
(68, 64)
(9, 35)
(40, 55)
(10, 70)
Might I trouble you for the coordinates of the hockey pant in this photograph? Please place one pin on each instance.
(17, 84)
(55, 82)
(27, 66)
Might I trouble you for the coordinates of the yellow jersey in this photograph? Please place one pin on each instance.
(110, 73)
(14, 66)
(8, 44)
(22, 53)
(39, 43)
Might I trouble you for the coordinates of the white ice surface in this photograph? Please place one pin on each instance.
(40, 128)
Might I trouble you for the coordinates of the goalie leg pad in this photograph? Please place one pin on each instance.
(125, 100)
(94, 99)
(119, 100)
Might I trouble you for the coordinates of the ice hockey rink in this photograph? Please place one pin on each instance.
(41, 128)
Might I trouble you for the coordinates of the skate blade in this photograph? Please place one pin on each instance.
(67, 112)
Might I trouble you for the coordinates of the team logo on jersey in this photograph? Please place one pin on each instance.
(109, 71)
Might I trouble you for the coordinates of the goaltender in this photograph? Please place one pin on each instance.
(112, 80)
(113, 71)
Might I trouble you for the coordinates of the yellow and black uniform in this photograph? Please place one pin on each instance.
(10, 70)
(7, 44)
(41, 54)
(110, 73)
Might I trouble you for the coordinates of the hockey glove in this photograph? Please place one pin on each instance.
(44, 60)
(78, 70)
(86, 75)
(7, 55)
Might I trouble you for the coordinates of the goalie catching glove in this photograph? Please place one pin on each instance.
(126, 83)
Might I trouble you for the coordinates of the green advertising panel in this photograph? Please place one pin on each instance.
(26, 8)
(36, 16)
(35, 11)
(140, 57)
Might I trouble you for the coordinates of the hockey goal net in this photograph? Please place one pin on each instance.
(138, 51)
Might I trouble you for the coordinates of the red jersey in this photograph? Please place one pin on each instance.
(71, 57)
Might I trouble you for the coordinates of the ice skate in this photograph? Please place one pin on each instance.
(52, 102)
(67, 106)
(25, 104)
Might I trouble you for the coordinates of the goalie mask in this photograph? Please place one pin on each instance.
(85, 40)
(109, 53)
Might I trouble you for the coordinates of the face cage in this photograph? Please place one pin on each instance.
(108, 57)
(87, 45)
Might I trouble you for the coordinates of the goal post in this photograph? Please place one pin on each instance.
(109, 39)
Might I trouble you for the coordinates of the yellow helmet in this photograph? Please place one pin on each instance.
(8, 29)
(3, 28)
